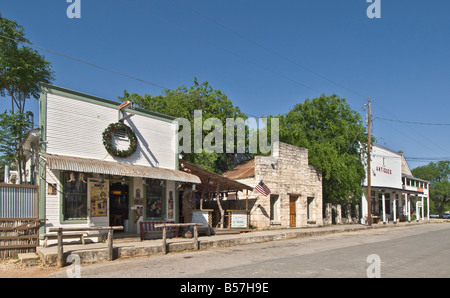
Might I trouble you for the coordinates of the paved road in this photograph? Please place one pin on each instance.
(414, 251)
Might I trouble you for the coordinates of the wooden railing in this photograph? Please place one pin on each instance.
(60, 231)
(164, 233)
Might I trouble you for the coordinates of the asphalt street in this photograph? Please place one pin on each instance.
(410, 251)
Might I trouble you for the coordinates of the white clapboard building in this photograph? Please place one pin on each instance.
(396, 195)
(100, 163)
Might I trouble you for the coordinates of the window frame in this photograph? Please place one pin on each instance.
(63, 193)
(162, 198)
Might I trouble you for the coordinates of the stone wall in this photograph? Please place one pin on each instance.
(337, 214)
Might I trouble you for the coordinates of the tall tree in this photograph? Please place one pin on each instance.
(13, 127)
(22, 70)
(181, 103)
(333, 133)
(438, 173)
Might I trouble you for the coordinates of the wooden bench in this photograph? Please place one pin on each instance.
(148, 228)
(66, 235)
(375, 219)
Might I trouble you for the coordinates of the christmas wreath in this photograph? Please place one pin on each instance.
(107, 136)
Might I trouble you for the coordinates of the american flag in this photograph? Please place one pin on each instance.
(262, 188)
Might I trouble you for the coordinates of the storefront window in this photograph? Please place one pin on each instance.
(154, 198)
(74, 196)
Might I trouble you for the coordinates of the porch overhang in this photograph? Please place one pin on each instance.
(401, 190)
(88, 165)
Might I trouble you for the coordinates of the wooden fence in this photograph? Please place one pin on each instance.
(18, 235)
(19, 219)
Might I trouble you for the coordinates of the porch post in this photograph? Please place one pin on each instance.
(422, 210)
(417, 210)
(428, 208)
(394, 207)
(408, 207)
(384, 207)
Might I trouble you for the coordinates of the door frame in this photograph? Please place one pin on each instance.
(293, 211)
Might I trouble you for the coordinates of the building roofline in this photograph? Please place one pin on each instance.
(390, 150)
(53, 89)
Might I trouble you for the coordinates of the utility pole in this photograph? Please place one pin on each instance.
(369, 190)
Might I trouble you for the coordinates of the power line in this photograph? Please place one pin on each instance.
(427, 158)
(413, 122)
(242, 36)
(85, 62)
(240, 56)
(268, 49)
(95, 65)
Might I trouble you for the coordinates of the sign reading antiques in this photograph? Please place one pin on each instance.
(383, 170)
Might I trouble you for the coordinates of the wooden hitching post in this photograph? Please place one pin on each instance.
(110, 244)
(164, 236)
(60, 249)
(196, 237)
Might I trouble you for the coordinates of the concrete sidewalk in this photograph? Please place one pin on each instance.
(123, 248)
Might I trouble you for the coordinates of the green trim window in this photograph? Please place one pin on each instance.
(155, 199)
(74, 199)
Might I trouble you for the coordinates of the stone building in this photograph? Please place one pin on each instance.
(295, 198)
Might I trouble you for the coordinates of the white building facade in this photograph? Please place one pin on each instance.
(97, 170)
(395, 194)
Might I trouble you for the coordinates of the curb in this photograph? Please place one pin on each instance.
(141, 249)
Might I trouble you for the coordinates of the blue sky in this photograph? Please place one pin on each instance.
(265, 55)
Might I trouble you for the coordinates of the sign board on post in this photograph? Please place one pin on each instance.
(239, 219)
(199, 216)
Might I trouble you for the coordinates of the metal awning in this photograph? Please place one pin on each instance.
(88, 165)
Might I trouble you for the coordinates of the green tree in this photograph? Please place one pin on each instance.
(22, 70)
(181, 103)
(13, 127)
(438, 174)
(333, 133)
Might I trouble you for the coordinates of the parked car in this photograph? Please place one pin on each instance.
(434, 215)
(446, 216)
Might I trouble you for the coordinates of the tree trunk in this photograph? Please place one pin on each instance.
(222, 212)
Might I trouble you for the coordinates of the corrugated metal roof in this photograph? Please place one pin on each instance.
(243, 170)
(87, 165)
(213, 182)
